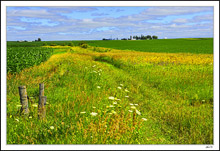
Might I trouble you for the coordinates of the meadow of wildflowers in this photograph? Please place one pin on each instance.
(115, 97)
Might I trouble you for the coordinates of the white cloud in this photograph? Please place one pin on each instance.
(180, 20)
(164, 11)
(90, 28)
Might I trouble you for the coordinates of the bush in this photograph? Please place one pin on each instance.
(53, 44)
(83, 45)
(45, 44)
(70, 44)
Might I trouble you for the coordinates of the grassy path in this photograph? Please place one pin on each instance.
(104, 98)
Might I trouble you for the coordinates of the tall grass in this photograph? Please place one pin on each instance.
(115, 97)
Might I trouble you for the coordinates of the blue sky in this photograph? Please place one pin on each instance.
(95, 23)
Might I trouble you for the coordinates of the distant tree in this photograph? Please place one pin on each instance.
(142, 37)
(38, 39)
(124, 39)
(149, 37)
(154, 37)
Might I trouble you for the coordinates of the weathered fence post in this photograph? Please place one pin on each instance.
(42, 102)
(41, 108)
(23, 99)
(41, 90)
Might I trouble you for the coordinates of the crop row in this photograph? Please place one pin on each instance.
(19, 58)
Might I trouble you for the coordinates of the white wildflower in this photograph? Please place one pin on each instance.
(119, 87)
(93, 114)
(130, 111)
(114, 102)
(133, 107)
(111, 98)
(144, 119)
(30, 116)
(118, 99)
(136, 104)
(126, 90)
(98, 87)
(131, 104)
(93, 107)
(113, 112)
(138, 112)
(17, 120)
(52, 127)
(82, 112)
(127, 96)
(111, 106)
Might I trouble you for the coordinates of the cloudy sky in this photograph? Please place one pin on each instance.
(95, 23)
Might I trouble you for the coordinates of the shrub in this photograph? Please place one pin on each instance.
(53, 44)
(70, 44)
(45, 44)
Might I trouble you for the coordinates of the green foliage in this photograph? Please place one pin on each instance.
(19, 58)
(70, 44)
(110, 60)
(154, 37)
(53, 44)
(99, 49)
(45, 44)
(83, 45)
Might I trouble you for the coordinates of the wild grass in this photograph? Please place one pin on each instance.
(115, 97)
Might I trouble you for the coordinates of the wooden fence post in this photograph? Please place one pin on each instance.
(42, 102)
(23, 99)
(41, 90)
(41, 108)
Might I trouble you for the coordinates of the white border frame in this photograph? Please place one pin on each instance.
(215, 4)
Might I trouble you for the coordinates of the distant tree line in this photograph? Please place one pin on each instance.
(142, 37)
(39, 39)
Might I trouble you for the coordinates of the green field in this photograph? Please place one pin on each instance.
(19, 58)
(203, 45)
(106, 93)
(187, 45)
